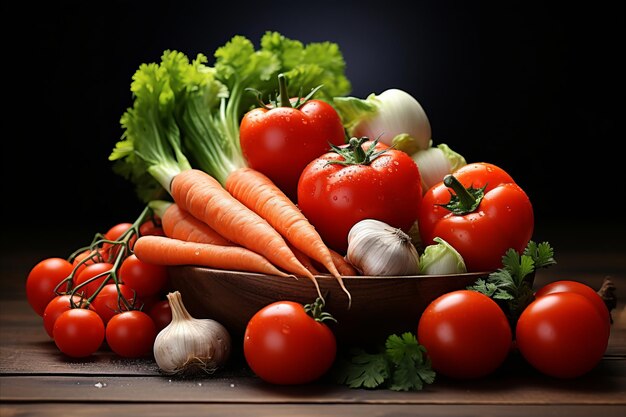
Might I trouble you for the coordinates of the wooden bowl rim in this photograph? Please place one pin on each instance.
(330, 277)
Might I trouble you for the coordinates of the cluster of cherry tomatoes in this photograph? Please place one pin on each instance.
(102, 294)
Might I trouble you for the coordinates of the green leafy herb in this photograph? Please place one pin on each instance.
(401, 365)
(511, 285)
(187, 108)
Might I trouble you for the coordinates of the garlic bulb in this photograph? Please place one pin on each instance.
(375, 248)
(188, 345)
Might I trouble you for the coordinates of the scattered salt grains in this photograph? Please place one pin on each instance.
(232, 385)
(99, 385)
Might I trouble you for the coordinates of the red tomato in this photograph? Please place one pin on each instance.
(503, 218)
(579, 288)
(281, 141)
(335, 197)
(562, 335)
(55, 308)
(146, 279)
(151, 227)
(94, 258)
(91, 271)
(465, 333)
(107, 303)
(78, 332)
(115, 233)
(131, 334)
(42, 280)
(284, 345)
(161, 314)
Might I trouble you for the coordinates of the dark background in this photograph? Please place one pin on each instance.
(536, 89)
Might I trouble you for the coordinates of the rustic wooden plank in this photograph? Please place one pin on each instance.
(514, 384)
(303, 410)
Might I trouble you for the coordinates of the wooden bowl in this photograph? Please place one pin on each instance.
(380, 305)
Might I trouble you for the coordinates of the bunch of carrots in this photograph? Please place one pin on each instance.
(224, 215)
(208, 226)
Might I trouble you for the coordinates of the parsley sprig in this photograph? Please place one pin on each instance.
(511, 285)
(402, 365)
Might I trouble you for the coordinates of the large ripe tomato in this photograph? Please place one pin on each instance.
(482, 225)
(146, 279)
(562, 335)
(579, 288)
(384, 186)
(131, 334)
(280, 141)
(465, 333)
(284, 345)
(42, 280)
(78, 332)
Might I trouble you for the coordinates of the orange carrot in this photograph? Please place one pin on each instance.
(204, 197)
(180, 224)
(304, 260)
(261, 195)
(344, 267)
(163, 250)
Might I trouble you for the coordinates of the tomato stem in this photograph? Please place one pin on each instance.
(464, 200)
(283, 95)
(315, 310)
(353, 154)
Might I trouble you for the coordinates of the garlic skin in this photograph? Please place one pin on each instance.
(188, 345)
(378, 249)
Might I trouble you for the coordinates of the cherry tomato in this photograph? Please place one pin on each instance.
(131, 334)
(284, 345)
(281, 141)
(91, 271)
(55, 308)
(482, 234)
(107, 303)
(115, 233)
(42, 280)
(579, 288)
(94, 258)
(78, 332)
(465, 333)
(151, 227)
(146, 279)
(161, 314)
(562, 335)
(335, 197)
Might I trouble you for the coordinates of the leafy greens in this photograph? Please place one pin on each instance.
(401, 366)
(196, 108)
(511, 285)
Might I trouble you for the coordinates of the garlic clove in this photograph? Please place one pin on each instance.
(378, 249)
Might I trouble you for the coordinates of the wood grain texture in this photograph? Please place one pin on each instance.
(37, 380)
(304, 410)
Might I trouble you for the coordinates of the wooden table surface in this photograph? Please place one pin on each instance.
(36, 379)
